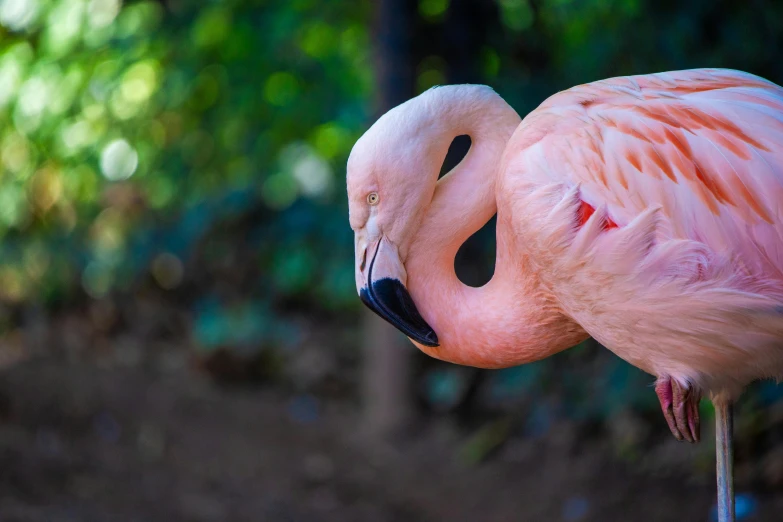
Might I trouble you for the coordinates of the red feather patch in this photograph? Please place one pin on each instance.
(586, 210)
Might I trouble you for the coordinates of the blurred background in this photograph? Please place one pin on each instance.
(180, 337)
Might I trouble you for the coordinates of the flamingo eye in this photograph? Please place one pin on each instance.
(373, 198)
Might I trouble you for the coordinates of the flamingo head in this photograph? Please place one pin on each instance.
(392, 174)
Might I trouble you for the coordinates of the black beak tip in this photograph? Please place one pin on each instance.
(389, 299)
(429, 339)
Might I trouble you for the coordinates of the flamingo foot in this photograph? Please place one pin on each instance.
(680, 407)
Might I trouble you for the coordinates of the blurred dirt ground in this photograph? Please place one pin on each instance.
(83, 443)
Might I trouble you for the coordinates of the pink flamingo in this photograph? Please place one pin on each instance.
(645, 211)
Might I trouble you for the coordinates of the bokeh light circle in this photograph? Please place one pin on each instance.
(119, 160)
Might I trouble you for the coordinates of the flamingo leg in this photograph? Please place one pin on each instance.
(680, 406)
(724, 453)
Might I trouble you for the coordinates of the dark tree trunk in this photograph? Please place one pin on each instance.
(464, 36)
(387, 358)
(401, 40)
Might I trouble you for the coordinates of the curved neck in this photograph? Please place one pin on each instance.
(511, 320)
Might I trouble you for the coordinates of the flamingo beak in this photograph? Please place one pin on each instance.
(380, 281)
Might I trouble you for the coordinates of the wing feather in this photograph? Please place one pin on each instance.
(705, 145)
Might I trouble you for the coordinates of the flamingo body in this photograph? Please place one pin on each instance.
(689, 164)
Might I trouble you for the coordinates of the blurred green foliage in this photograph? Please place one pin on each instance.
(119, 121)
